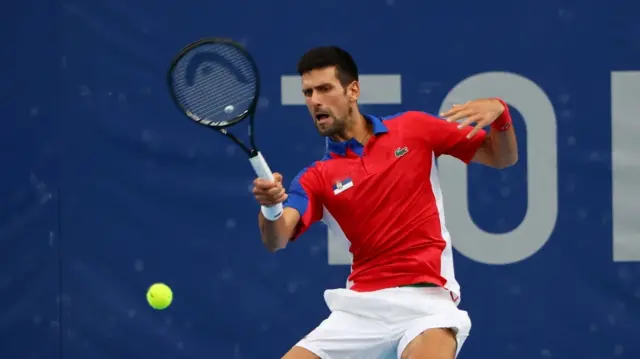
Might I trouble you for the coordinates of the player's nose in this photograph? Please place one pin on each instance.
(314, 99)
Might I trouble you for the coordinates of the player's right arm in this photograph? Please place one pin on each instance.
(276, 234)
(301, 208)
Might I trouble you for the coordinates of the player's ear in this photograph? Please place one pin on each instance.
(353, 91)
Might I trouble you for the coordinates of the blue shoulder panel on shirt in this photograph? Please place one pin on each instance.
(298, 196)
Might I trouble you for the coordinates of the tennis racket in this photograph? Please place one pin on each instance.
(215, 82)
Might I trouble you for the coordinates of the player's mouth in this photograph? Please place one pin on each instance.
(322, 117)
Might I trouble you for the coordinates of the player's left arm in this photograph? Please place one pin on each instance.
(498, 148)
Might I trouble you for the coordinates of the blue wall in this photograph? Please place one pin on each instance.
(107, 188)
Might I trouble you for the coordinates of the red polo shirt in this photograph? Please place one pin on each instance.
(385, 199)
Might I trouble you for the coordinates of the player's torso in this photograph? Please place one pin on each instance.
(384, 199)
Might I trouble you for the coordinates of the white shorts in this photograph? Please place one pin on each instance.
(380, 324)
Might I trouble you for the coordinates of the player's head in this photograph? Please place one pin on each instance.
(330, 87)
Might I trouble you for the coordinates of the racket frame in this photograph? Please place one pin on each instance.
(256, 159)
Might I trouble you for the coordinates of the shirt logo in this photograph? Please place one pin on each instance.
(401, 151)
(341, 186)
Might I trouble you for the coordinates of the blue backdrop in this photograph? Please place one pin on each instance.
(107, 188)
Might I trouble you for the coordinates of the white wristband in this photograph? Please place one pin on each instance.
(272, 213)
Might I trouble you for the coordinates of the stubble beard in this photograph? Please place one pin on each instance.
(338, 127)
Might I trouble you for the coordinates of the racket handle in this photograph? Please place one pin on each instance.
(262, 169)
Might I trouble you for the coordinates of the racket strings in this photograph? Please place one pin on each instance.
(215, 82)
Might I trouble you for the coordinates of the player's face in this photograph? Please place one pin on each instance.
(329, 103)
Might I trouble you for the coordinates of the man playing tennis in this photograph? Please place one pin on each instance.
(378, 186)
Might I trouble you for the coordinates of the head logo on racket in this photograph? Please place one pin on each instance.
(218, 61)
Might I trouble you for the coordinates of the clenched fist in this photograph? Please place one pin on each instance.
(269, 193)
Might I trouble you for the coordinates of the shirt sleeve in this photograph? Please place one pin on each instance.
(303, 197)
(447, 139)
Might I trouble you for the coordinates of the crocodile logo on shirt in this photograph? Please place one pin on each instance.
(401, 151)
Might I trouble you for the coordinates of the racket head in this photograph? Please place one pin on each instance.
(211, 74)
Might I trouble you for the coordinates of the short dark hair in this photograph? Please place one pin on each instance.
(327, 56)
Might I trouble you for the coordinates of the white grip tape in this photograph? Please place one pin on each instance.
(261, 168)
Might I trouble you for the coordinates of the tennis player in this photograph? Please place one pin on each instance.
(378, 186)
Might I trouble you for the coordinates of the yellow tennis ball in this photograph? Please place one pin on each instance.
(159, 296)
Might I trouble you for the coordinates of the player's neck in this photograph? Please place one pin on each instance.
(360, 129)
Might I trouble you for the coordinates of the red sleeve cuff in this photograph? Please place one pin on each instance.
(474, 144)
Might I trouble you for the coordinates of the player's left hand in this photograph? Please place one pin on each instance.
(482, 112)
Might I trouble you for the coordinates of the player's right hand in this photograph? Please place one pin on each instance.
(269, 193)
